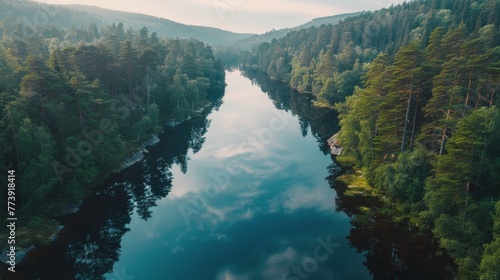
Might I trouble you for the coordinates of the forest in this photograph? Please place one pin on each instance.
(75, 102)
(416, 88)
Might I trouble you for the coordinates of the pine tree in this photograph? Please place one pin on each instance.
(128, 61)
(459, 173)
(400, 107)
(363, 110)
(446, 104)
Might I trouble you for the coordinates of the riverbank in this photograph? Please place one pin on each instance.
(40, 232)
(357, 185)
(378, 228)
(378, 223)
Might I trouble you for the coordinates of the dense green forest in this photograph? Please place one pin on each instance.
(247, 43)
(416, 89)
(229, 52)
(74, 103)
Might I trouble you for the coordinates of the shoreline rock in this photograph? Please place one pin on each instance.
(335, 147)
(136, 157)
(151, 142)
(173, 123)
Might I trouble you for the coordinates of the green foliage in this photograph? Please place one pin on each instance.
(316, 55)
(415, 86)
(68, 117)
(404, 179)
(359, 114)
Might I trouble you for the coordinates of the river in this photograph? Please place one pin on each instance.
(251, 203)
(242, 193)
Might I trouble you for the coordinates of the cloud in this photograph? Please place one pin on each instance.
(270, 268)
(301, 197)
(285, 257)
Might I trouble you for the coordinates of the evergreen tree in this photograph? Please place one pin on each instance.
(400, 107)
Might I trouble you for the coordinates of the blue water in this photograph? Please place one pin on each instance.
(252, 204)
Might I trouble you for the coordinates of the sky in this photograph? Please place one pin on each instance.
(242, 16)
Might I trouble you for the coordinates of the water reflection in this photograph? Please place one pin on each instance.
(89, 246)
(240, 194)
(90, 243)
(251, 205)
(392, 251)
(322, 121)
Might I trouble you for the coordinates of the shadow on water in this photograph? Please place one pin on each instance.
(322, 121)
(392, 249)
(89, 244)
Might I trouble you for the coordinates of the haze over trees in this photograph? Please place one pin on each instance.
(80, 16)
(416, 87)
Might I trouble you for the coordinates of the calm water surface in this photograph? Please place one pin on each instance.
(238, 194)
(253, 203)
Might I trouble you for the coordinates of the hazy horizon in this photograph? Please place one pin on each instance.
(258, 16)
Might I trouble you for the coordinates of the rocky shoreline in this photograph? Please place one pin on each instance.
(138, 155)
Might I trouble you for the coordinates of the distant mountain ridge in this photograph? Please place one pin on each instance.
(81, 16)
(326, 20)
(164, 27)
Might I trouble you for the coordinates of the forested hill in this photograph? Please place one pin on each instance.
(330, 60)
(249, 42)
(81, 17)
(416, 86)
(74, 103)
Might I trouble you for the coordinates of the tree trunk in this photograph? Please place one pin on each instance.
(406, 123)
(443, 139)
(468, 88)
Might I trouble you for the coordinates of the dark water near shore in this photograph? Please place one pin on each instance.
(244, 193)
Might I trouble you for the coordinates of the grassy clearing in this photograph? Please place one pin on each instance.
(322, 104)
(357, 185)
(345, 161)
